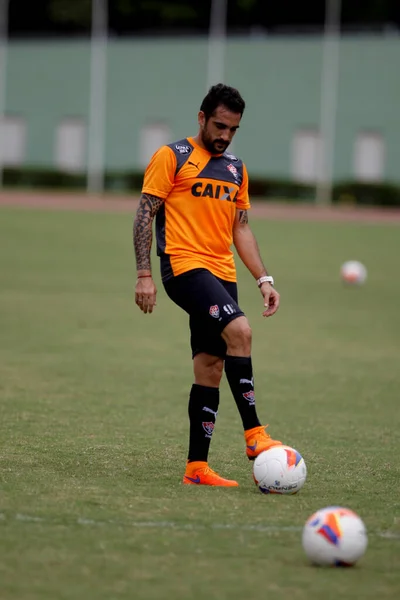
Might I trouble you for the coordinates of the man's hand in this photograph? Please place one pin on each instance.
(145, 294)
(271, 299)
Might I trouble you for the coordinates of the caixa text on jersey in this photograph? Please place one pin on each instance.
(220, 192)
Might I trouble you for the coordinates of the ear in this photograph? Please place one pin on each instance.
(201, 118)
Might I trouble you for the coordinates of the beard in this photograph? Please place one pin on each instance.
(211, 144)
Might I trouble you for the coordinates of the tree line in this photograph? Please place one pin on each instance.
(60, 17)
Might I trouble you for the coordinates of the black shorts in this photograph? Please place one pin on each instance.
(211, 304)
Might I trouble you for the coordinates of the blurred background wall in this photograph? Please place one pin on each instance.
(155, 86)
(89, 89)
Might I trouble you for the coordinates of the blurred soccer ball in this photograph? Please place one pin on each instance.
(279, 470)
(353, 272)
(334, 536)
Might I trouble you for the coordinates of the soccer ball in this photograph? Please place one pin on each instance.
(279, 470)
(334, 536)
(353, 272)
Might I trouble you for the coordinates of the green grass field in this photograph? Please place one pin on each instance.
(93, 419)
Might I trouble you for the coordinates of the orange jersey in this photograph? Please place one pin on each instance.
(194, 226)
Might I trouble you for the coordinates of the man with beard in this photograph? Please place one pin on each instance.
(198, 193)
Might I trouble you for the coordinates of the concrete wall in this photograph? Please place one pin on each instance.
(152, 80)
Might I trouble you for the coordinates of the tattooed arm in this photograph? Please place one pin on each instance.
(249, 253)
(145, 291)
(143, 231)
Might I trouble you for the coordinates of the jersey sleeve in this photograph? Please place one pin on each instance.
(160, 173)
(243, 201)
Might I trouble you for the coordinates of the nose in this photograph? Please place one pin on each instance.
(226, 136)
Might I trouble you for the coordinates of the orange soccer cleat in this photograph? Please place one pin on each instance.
(258, 440)
(199, 473)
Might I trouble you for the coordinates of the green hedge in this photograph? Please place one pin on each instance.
(31, 177)
(372, 194)
(350, 192)
(280, 189)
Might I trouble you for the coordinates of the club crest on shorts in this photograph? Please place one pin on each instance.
(214, 311)
(250, 397)
(208, 427)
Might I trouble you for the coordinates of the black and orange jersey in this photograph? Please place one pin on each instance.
(194, 226)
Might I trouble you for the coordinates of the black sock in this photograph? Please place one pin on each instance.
(203, 408)
(239, 372)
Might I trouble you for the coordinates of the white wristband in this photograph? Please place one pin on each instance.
(265, 279)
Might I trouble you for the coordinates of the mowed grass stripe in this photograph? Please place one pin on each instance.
(93, 418)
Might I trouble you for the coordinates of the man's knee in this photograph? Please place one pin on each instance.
(238, 336)
(208, 370)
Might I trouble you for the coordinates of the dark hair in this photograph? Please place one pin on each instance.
(222, 95)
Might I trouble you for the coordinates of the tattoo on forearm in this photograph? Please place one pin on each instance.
(243, 217)
(142, 229)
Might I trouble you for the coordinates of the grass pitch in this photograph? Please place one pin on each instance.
(93, 419)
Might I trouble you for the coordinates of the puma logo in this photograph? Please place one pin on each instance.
(194, 164)
(213, 412)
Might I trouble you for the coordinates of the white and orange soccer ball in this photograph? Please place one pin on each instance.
(279, 470)
(334, 536)
(353, 272)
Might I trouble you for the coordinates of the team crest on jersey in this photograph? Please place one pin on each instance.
(250, 397)
(183, 149)
(214, 311)
(208, 427)
(233, 170)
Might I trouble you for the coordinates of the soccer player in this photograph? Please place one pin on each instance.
(198, 193)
